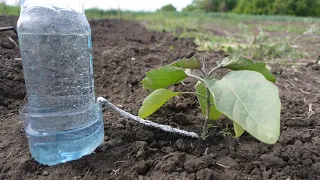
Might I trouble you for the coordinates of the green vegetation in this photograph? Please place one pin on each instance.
(215, 5)
(168, 7)
(274, 7)
(246, 95)
(9, 10)
(285, 7)
(189, 8)
(259, 37)
(261, 47)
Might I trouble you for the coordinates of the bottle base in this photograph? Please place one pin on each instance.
(54, 148)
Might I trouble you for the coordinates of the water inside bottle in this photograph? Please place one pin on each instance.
(62, 146)
(62, 120)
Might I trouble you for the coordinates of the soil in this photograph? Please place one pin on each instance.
(123, 52)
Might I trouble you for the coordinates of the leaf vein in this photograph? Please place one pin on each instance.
(242, 104)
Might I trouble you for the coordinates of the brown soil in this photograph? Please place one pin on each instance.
(123, 52)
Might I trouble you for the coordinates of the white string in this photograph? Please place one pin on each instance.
(127, 115)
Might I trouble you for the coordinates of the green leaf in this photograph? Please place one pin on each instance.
(209, 81)
(242, 63)
(261, 68)
(251, 101)
(235, 62)
(163, 77)
(201, 89)
(154, 101)
(192, 63)
(238, 130)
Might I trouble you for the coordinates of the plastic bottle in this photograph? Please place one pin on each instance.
(62, 119)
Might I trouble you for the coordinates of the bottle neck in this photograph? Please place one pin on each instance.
(75, 5)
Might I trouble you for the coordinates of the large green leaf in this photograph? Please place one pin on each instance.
(242, 63)
(238, 130)
(154, 101)
(214, 113)
(163, 77)
(192, 63)
(209, 81)
(251, 101)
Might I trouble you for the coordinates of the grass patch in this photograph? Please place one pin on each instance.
(262, 37)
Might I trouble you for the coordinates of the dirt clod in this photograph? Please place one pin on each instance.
(227, 162)
(182, 119)
(168, 167)
(144, 135)
(162, 143)
(141, 145)
(316, 141)
(180, 145)
(167, 149)
(270, 160)
(7, 44)
(194, 165)
(141, 167)
(316, 167)
(141, 154)
(205, 174)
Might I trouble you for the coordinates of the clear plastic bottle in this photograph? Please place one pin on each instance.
(62, 119)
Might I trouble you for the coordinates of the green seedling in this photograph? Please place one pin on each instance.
(246, 94)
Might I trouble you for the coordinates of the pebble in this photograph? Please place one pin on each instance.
(45, 173)
(8, 45)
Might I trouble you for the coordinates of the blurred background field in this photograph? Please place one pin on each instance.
(282, 31)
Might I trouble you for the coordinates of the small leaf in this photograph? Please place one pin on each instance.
(154, 101)
(163, 77)
(214, 113)
(238, 130)
(192, 63)
(235, 62)
(251, 101)
(242, 63)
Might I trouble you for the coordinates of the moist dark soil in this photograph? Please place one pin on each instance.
(123, 52)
